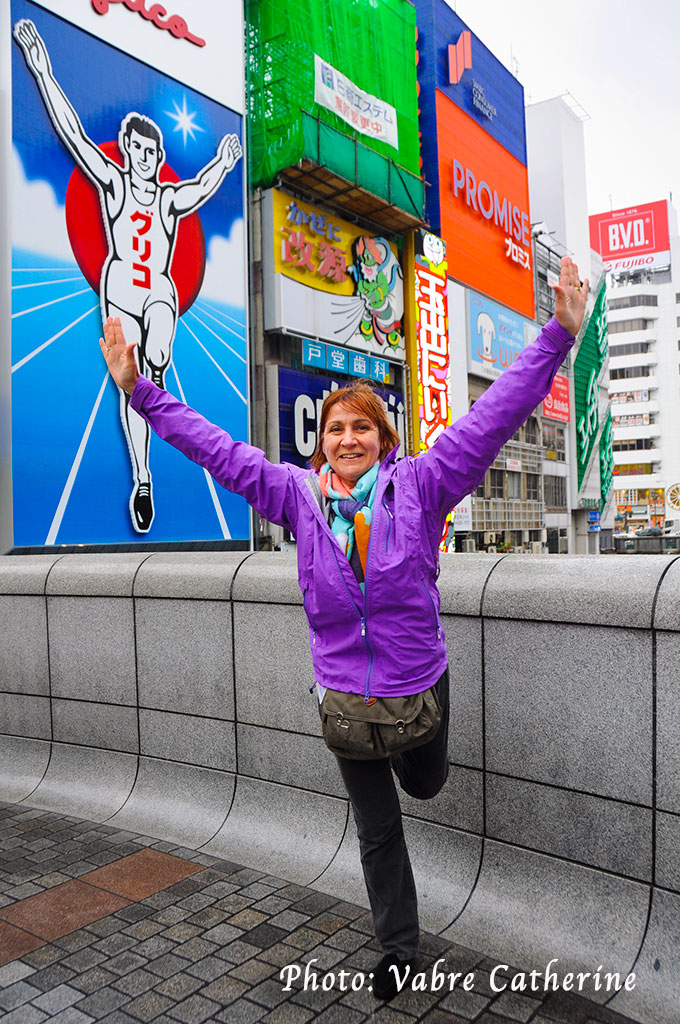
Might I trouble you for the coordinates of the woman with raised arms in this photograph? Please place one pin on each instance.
(367, 528)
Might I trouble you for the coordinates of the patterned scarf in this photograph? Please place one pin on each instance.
(352, 509)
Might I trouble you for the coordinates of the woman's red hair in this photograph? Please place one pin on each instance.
(363, 400)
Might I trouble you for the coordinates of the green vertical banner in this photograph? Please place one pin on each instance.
(606, 460)
(587, 368)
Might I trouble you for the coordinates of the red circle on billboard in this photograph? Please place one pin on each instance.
(87, 234)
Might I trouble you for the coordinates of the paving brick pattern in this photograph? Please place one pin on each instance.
(176, 937)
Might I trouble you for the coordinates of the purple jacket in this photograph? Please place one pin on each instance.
(387, 641)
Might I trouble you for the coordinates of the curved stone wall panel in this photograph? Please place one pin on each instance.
(343, 877)
(281, 830)
(184, 660)
(458, 805)
(570, 705)
(656, 996)
(667, 610)
(23, 763)
(606, 834)
(577, 588)
(273, 667)
(462, 582)
(466, 721)
(92, 648)
(528, 908)
(109, 574)
(176, 802)
(189, 575)
(445, 863)
(67, 786)
(668, 720)
(24, 666)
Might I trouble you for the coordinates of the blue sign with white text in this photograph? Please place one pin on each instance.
(301, 396)
(313, 353)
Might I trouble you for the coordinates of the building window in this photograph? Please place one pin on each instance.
(553, 441)
(514, 485)
(619, 326)
(633, 445)
(630, 396)
(533, 487)
(555, 491)
(531, 435)
(639, 420)
(629, 350)
(496, 489)
(634, 300)
(626, 372)
(633, 469)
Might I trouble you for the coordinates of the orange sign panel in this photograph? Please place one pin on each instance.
(484, 201)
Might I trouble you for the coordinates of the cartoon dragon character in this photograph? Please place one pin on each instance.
(376, 271)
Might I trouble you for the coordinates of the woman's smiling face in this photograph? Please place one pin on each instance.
(351, 443)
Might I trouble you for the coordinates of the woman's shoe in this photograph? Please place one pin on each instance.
(387, 973)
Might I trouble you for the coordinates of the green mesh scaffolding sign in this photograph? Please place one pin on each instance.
(587, 368)
(373, 45)
(606, 460)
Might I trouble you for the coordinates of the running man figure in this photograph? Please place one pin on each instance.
(141, 217)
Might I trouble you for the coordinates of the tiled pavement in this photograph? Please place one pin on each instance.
(169, 935)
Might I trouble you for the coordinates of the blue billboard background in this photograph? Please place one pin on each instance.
(71, 468)
(438, 28)
(300, 397)
(497, 335)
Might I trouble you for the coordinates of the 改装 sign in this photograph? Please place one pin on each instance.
(588, 366)
(634, 238)
(329, 279)
(127, 199)
(432, 337)
(301, 396)
(496, 336)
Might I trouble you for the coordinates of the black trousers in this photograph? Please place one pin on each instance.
(384, 858)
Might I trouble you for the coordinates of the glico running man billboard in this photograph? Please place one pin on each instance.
(127, 195)
(474, 154)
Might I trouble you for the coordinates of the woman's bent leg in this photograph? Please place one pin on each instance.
(384, 857)
(423, 771)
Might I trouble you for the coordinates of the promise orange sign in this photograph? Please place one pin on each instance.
(484, 202)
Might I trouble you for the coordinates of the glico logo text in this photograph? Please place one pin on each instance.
(485, 200)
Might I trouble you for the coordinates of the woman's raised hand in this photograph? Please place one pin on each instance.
(570, 297)
(119, 355)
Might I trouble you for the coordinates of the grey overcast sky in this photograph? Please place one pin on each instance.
(620, 59)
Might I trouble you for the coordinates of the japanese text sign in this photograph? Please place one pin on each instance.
(432, 337)
(327, 278)
(587, 369)
(367, 114)
(556, 402)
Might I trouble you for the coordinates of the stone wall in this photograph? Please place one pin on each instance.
(168, 694)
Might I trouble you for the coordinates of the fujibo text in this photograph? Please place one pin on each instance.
(437, 978)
